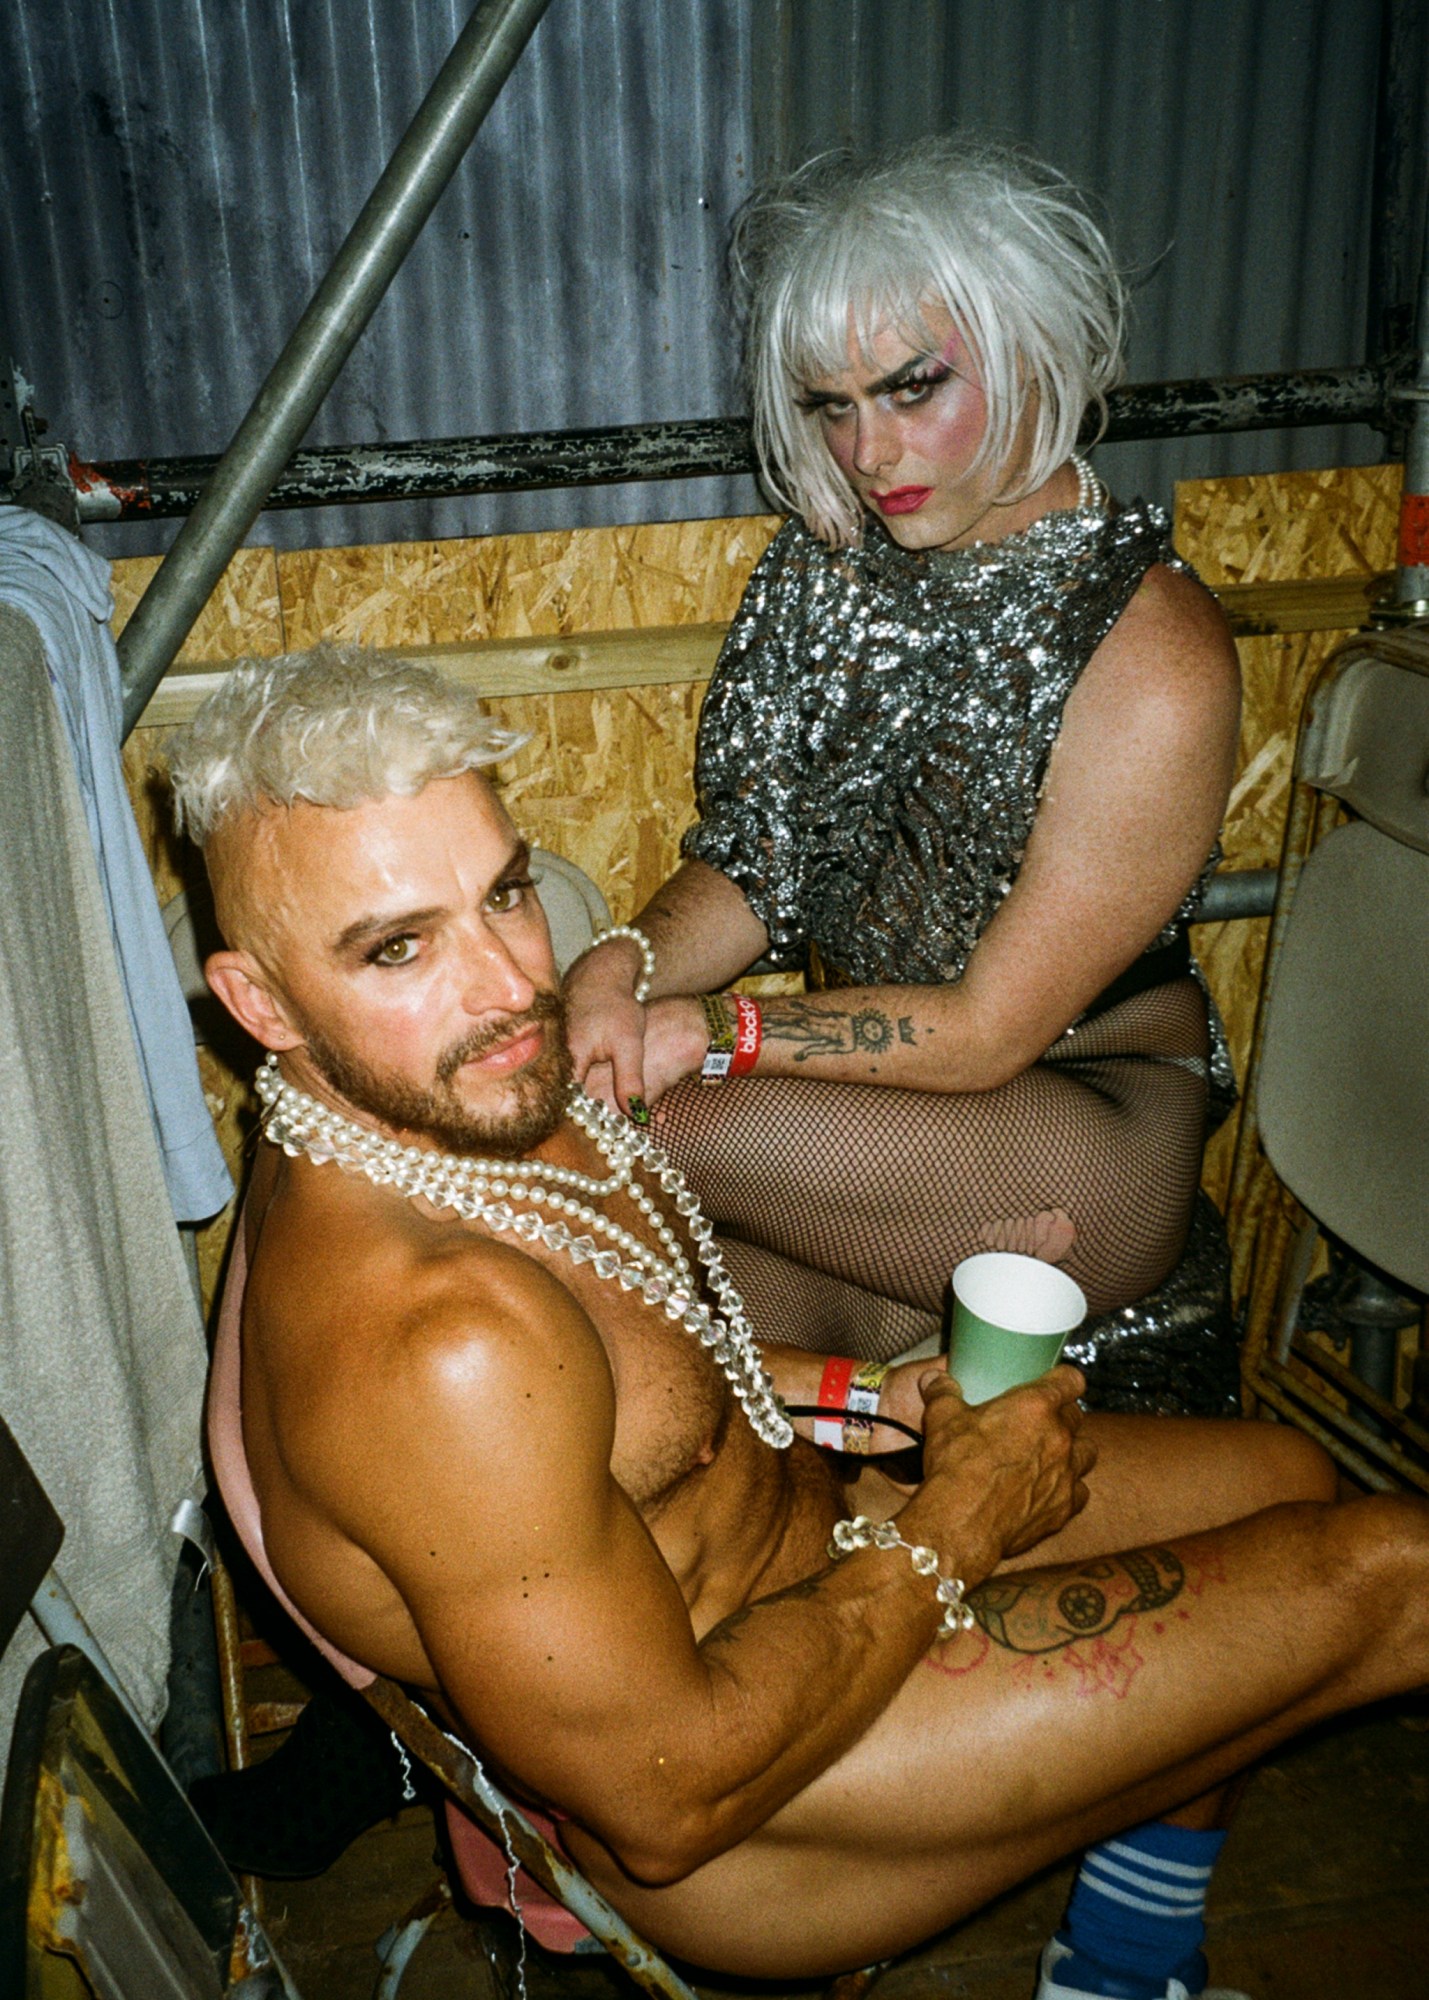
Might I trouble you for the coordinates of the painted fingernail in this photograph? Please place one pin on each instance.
(639, 1110)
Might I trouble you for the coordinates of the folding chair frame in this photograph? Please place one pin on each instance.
(463, 1778)
(1273, 1239)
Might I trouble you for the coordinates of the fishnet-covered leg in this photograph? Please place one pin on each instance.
(802, 1307)
(1089, 1159)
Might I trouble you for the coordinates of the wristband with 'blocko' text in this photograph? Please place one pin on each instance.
(733, 1047)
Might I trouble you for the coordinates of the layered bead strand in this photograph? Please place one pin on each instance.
(510, 1195)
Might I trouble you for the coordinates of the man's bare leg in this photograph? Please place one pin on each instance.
(1092, 1697)
(1122, 1930)
(1160, 1477)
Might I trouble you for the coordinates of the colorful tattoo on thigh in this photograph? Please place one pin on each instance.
(1080, 1621)
(1040, 1612)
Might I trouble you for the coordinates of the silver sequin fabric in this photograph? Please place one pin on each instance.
(879, 725)
(875, 737)
(1177, 1351)
(871, 754)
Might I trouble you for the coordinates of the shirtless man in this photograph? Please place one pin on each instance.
(492, 1470)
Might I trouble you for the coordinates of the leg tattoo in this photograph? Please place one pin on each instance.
(1079, 1622)
(1039, 1614)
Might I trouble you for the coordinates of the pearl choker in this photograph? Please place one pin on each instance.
(1090, 491)
(484, 1191)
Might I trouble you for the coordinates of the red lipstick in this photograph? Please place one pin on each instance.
(902, 500)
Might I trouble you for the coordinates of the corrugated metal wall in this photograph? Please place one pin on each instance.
(178, 172)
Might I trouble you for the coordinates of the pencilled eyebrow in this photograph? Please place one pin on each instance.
(377, 924)
(915, 368)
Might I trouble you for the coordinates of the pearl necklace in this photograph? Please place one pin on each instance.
(1090, 491)
(478, 1190)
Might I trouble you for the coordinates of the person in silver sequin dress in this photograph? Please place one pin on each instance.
(965, 757)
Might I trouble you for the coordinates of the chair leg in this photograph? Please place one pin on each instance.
(1292, 1286)
(1266, 1275)
(230, 1678)
(396, 1946)
(230, 1667)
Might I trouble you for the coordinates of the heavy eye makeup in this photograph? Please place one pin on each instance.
(917, 388)
(907, 387)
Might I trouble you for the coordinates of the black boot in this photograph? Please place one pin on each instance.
(338, 1773)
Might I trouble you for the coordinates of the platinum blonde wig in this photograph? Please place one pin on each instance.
(1001, 241)
(335, 726)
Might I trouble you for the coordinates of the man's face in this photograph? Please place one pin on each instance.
(413, 957)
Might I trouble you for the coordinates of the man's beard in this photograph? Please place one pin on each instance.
(537, 1092)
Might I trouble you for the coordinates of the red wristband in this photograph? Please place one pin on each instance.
(748, 1034)
(833, 1395)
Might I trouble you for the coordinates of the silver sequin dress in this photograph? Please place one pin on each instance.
(871, 754)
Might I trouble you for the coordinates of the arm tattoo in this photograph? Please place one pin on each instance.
(808, 1586)
(1043, 1611)
(830, 1031)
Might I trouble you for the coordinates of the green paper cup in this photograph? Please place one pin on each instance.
(1010, 1317)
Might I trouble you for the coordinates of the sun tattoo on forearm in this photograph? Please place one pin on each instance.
(834, 1031)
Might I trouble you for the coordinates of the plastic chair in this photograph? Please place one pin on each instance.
(1337, 1099)
(575, 908)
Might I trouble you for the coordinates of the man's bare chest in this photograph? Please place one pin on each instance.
(672, 1405)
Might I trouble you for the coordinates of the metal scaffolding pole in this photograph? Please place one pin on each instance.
(1410, 599)
(467, 85)
(139, 489)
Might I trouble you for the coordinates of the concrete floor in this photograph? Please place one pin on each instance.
(1322, 1894)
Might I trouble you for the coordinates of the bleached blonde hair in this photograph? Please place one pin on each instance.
(1000, 240)
(335, 726)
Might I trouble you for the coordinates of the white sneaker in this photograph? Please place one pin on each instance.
(1048, 1988)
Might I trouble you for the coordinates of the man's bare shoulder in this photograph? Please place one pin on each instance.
(419, 1340)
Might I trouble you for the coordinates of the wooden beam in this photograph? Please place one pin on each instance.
(1320, 604)
(659, 654)
(666, 654)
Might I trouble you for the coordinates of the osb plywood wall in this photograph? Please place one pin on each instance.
(606, 776)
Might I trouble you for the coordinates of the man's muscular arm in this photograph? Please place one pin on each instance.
(555, 1628)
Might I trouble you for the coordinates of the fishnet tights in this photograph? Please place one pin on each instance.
(843, 1208)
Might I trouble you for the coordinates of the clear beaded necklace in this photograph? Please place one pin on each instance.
(485, 1190)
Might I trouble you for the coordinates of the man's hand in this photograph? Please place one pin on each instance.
(999, 1477)
(605, 1024)
(703, 934)
(676, 1038)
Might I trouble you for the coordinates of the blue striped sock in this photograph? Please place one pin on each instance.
(1136, 1915)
